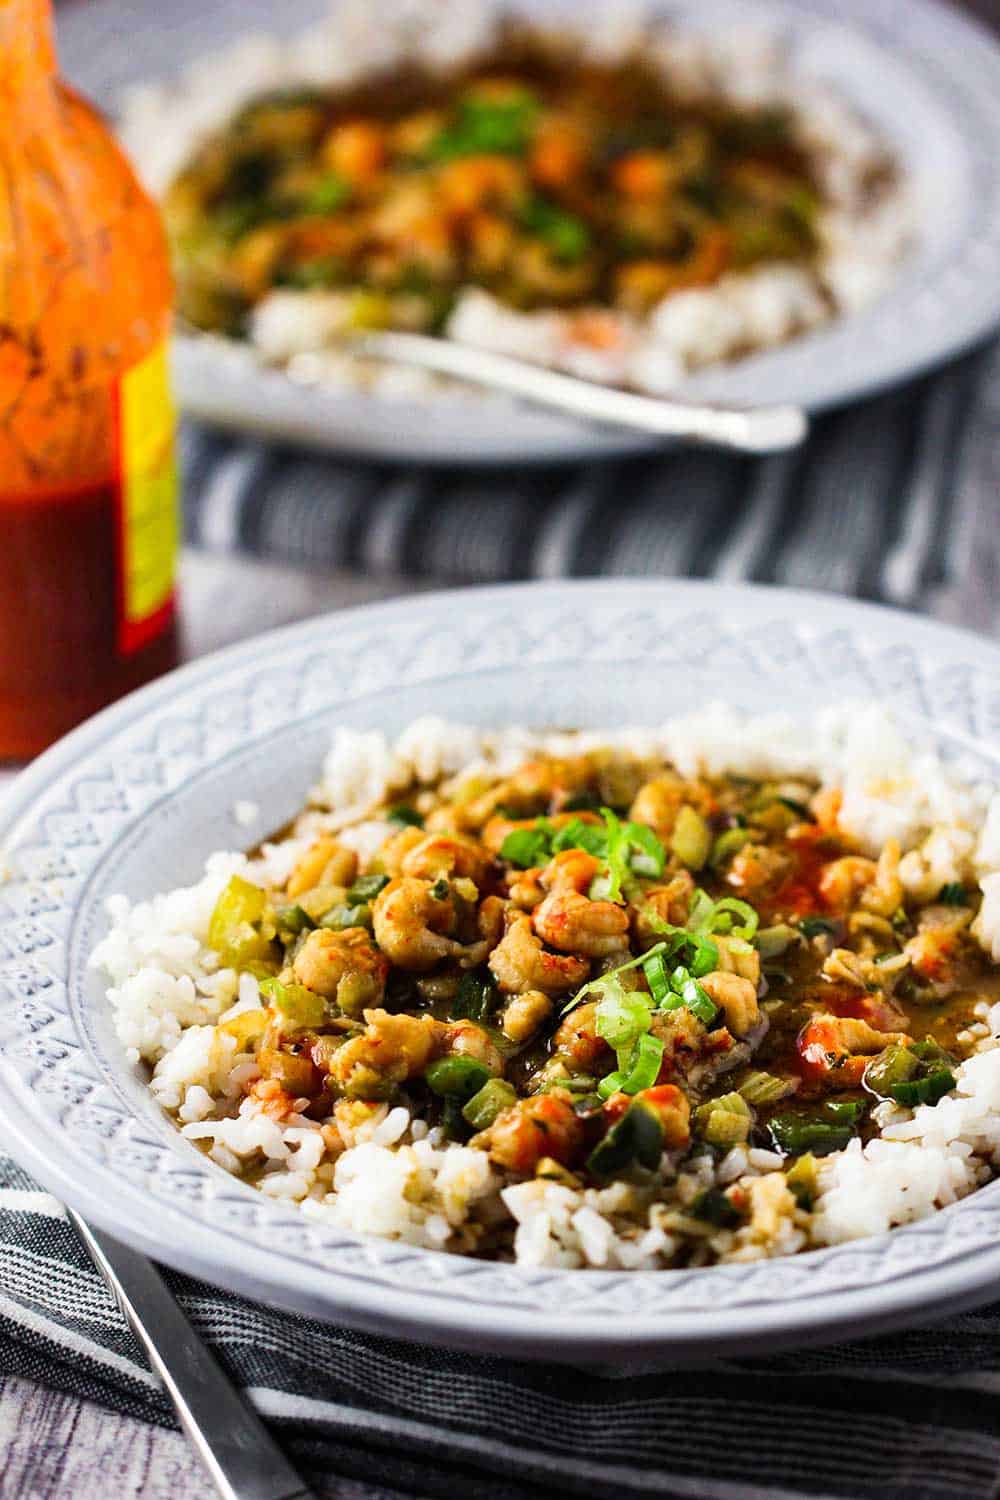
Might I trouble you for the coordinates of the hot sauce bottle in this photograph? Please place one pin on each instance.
(88, 482)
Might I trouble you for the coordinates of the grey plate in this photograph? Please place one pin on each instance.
(135, 800)
(928, 78)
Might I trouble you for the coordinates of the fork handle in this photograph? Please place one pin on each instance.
(236, 1448)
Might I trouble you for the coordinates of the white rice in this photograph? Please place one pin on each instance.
(376, 1170)
(862, 241)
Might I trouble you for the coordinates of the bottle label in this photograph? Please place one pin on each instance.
(148, 502)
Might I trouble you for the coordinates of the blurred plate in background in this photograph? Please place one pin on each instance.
(927, 78)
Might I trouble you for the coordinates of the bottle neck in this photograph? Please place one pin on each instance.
(27, 48)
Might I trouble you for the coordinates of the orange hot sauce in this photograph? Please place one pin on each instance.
(88, 484)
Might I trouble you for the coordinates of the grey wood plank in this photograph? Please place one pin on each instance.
(55, 1446)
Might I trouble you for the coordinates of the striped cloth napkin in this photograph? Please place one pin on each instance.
(893, 499)
(910, 1416)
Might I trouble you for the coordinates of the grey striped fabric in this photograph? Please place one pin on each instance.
(895, 499)
(906, 1417)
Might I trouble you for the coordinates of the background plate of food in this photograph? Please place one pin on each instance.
(611, 971)
(796, 207)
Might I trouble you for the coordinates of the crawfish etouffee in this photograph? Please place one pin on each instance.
(587, 1004)
(540, 193)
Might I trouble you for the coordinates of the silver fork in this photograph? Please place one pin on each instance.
(232, 1442)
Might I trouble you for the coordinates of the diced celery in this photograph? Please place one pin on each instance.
(248, 1026)
(765, 1088)
(728, 844)
(298, 1005)
(692, 838)
(802, 1181)
(725, 1121)
(233, 930)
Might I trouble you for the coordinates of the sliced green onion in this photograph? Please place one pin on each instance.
(366, 888)
(701, 912)
(602, 979)
(655, 971)
(457, 1077)
(487, 1103)
(643, 1067)
(726, 909)
(610, 1084)
(440, 890)
(650, 856)
(953, 894)
(580, 835)
(527, 847)
(698, 1002)
(621, 1017)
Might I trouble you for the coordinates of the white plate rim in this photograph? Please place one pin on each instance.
(957, 1251)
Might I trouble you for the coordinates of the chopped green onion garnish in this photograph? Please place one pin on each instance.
(655, 971)
(528, 847)
(730, 907)
(621, 1017)
(602, 979)
(698, 1002)
(440, 889)
(953, 894)
(643, 1066)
